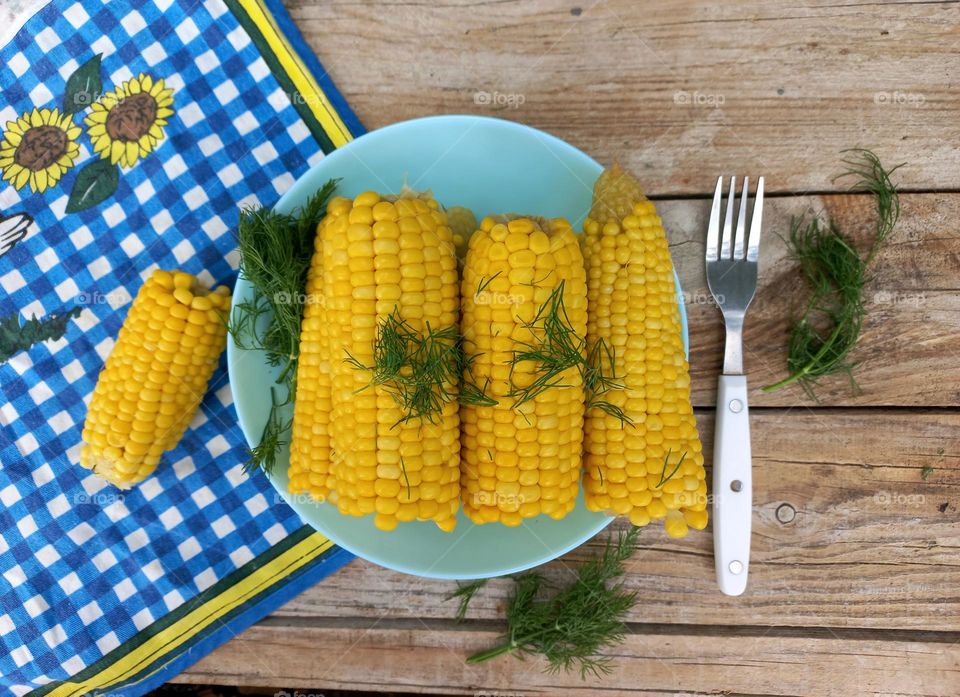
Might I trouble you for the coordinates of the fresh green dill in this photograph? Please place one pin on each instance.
(926, 472)
(474, 395)
(403, 468)
(485, 283)
(556, 348)
(471, 394)
(599, 377)
(873, 178)
(421, 371)
(16, 337)
(664, 477)
(610, 410)
(572, 627)
(263, 456)
(465, 592)
(275, 254)
(825, 335)
(276, 250)
(537, 281)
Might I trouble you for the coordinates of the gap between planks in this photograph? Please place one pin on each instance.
(646, 629)
(708, 195)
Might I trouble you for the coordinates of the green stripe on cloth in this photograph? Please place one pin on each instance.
(296, 99)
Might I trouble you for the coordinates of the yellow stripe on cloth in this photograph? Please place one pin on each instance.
(183, 630)
(307, 86)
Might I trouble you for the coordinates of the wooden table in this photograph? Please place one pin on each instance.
(855, 578)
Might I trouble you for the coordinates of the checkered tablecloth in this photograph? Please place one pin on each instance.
(103, 591)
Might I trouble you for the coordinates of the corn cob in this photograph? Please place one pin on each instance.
(155, 376)
(358, 441)
(521, 456)
(653, 468)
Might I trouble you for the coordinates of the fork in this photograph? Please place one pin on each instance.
(731, 263)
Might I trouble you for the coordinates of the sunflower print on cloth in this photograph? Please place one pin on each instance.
(38, 148)
(127, 124)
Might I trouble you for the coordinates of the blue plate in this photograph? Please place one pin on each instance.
(490, 166)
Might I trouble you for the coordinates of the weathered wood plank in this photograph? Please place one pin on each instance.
(422, 658)
(909, 346)
(871, 542)
(675, 89)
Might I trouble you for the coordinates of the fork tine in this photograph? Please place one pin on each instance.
(740, 241)
(713, 229)
(728, 222)
(753, 246)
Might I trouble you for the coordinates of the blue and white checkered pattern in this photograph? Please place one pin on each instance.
(84, 567)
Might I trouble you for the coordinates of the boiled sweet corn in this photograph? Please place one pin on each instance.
(652, 469)
(378, 264)
(155, 376)
(521, 457)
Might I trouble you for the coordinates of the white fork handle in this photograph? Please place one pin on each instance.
(732, 485)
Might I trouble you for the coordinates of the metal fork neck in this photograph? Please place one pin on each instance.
(733, 350)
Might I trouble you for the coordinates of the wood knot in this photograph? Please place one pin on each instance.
(786, 513)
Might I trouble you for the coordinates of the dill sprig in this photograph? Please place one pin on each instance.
(599, 377)
(264, 454)
(873, 178)
(556, 348)
(475, 395)
(664, 477)
(827, 332)
(471, 394)
(421, 371)
(571, 628)
(485, 283)
(403, 467)
(275, 254)
(465, 592)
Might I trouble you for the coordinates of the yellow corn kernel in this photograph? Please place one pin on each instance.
(633, 309)
(144, 398)
(519, 460)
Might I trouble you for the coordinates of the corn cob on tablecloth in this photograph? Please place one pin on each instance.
(131, 134)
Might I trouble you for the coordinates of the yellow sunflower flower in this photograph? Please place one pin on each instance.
(38, 148)
(127, 124)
